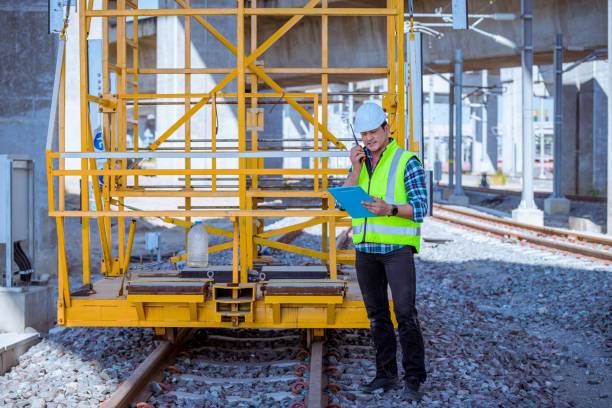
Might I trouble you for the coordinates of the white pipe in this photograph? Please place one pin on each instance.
(484, 157)
(196, 155)
(494, 16)
(541, 137)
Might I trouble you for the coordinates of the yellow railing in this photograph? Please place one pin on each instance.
(121, 181)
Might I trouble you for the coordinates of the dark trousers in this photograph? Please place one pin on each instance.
(396, 269)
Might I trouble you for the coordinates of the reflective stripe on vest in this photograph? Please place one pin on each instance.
(390, 196)
(387, 229)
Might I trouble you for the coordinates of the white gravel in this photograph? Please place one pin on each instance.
(75, 367)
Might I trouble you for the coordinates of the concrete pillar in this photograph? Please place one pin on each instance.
(483, 129)
(492, 126)
(557, 203)
(484, 121)
(592, 144)
(569, 142)
(458, 197)
(600, 128)
(431, 149)
(511, 118)
(527, 211)
(541, 136)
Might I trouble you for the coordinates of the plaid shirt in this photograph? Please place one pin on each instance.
(416, 193)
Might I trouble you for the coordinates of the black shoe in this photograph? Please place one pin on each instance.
(411, 389)
(380, 382)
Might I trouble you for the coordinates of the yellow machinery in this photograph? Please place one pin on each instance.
(164, 299)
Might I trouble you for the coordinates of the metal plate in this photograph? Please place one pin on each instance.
(304, 289)
(218, 273)
(167, 288)
(293, 272)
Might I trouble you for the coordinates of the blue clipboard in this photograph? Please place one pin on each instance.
(350, 199)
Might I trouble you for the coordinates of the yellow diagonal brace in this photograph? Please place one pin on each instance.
(291, 248)
(260, 50)
(188, 224)
(106, 249)
(215, 248)
(291, 228)
(257, 71)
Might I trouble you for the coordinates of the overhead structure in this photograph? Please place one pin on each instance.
(458, 196)
(115, 167)
(557, 203)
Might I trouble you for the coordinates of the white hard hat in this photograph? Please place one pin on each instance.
(368, 117)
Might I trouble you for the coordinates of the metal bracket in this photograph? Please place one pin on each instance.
(255, 119)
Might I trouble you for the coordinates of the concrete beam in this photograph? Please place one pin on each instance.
(301, 46)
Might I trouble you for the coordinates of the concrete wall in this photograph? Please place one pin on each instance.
(585, 129)
(569, 148)
(592, 135)
(27, 71)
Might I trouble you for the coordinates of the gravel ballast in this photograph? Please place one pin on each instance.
(504, 325)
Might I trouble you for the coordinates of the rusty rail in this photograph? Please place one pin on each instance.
(137, 382)
(317, 382)
(546, 236)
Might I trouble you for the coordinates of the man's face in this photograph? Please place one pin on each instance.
(376, 140)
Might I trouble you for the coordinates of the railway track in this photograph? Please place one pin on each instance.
(234, 367)
(593, 247)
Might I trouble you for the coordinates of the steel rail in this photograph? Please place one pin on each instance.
(137, 382)
(516, 233)
(317, 382)
(600, 240)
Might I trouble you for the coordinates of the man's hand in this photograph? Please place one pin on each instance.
(357, 157)
(378, 207)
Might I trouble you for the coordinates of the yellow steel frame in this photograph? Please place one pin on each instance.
(121, 181)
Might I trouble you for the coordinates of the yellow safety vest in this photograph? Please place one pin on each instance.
(387, 183)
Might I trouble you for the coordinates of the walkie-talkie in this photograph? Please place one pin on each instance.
(368, 163)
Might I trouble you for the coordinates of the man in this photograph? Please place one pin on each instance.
(385, 245)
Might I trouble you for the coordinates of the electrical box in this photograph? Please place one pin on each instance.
(16, 208)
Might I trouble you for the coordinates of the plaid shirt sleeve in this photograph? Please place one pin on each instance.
(416, 189)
